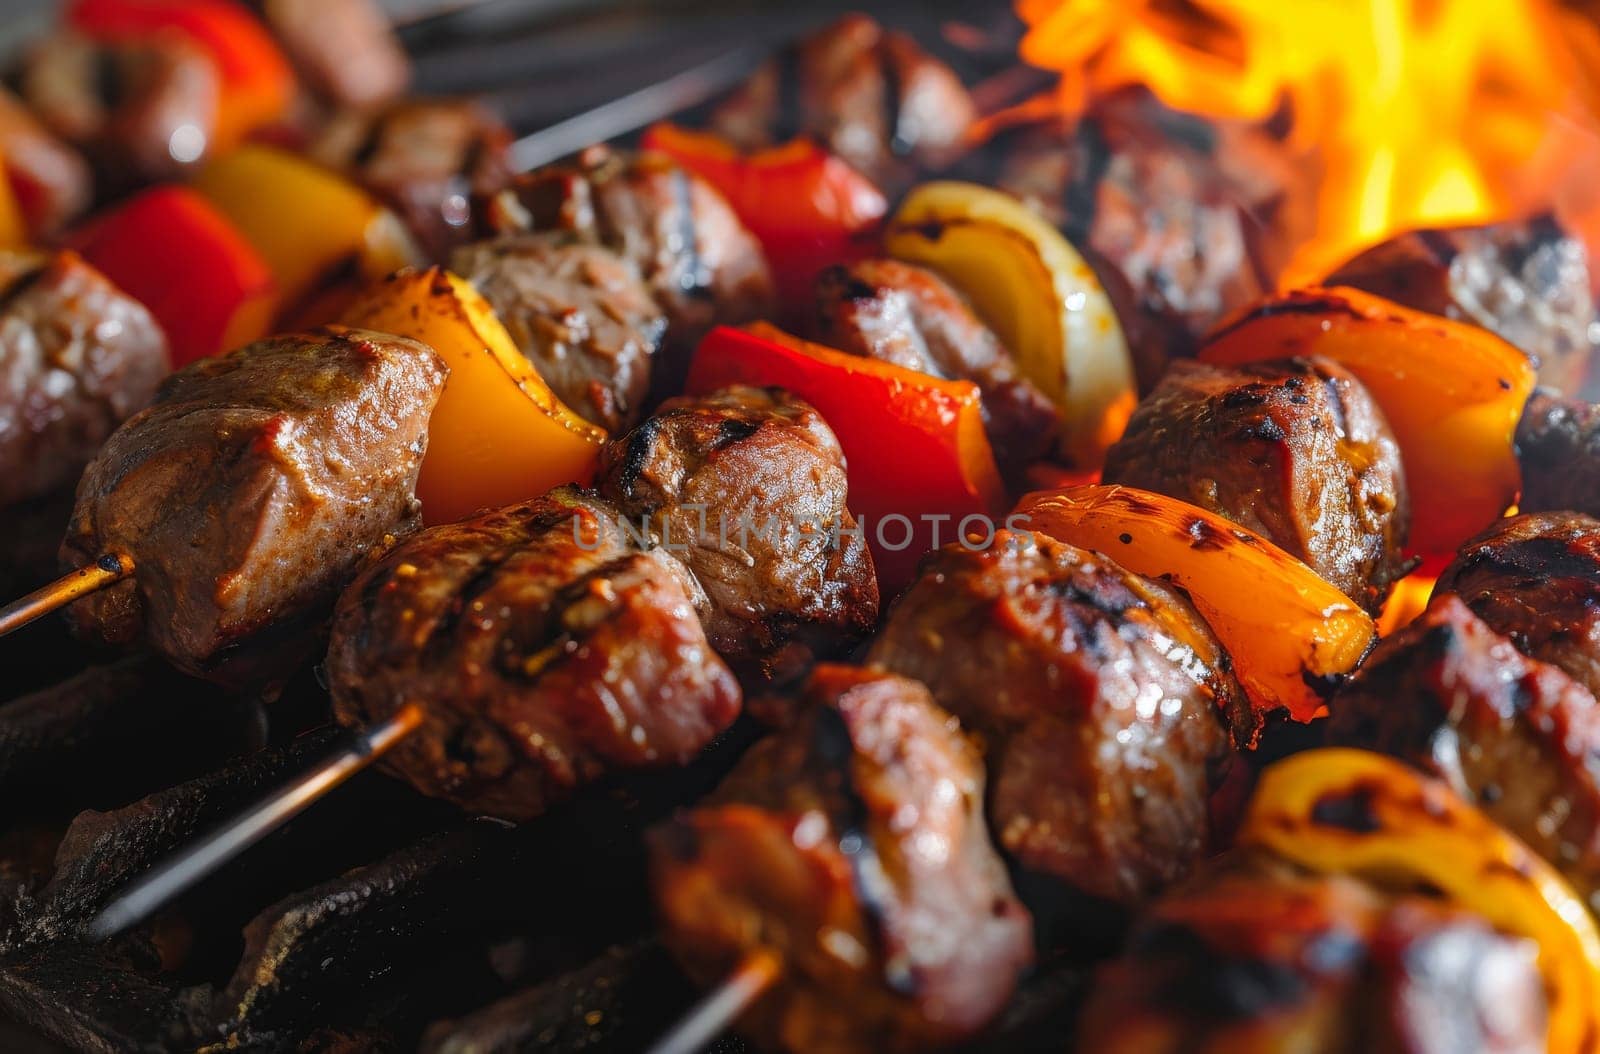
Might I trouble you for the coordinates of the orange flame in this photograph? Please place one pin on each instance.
(1415, 113)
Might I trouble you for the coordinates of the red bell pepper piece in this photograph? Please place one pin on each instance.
(918, 458)
(808, 208)
(170, 250)
(258, 83)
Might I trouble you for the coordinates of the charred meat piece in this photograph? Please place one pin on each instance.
(1528, 281)
(1255, 957)
(1516, 736)
(428, 159)
(579, 313)
(851, 845)
(873, 96)
(77, 357)
(144, 109)
(1535, 579)
(1147, 194)
(1558, 447)
(247, 494)
(701, 263)
(1294, 450)
(1102, 698)
(907, 315)
(546, 649)
(747, 487)
(52, 182)
(345, 50)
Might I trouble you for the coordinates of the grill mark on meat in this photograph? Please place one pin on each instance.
(731, 430)
(832, 752)
(636, 455)
(1534, 559)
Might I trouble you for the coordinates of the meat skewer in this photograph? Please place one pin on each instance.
(243, 497)
(527, 634)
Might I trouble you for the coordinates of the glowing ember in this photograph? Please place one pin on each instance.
(1415, 113)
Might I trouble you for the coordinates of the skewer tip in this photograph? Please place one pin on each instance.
(717, 1010)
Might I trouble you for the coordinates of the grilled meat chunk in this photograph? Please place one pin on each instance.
(142, 109)
(1151, 199)
(1535, 578)
(52, 182)
(1528, 281)
(851, 845)
(427, 159)
(1102, 698)
(701, 263)
(545, 648)
(579, 312)
(1558, 447)
(873, 96)
(747, 487)
(345, 50)
(77, 357)
(1516, 736)
(1256, 957)
(1295, 450)
(248, 492)
(907, 315)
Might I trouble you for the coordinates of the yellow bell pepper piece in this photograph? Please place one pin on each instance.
(308, 222)
(499, 434)
(1039, 296)
(1282, 624)
(1354, 812)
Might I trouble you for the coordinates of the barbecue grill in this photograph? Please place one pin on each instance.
(379, 919)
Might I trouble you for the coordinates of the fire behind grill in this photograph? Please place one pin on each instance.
(379, 920)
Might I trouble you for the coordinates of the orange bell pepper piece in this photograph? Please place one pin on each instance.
(13, 227)
(308, 222)
(498, 434)
(1353, 812)
(808, 208)
(257, 82)
(1285, 628)
(174, 253)
(918, 458)
(1452, 392)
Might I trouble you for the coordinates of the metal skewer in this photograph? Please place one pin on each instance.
(719, 1008)
(105, 571)
(192, 863)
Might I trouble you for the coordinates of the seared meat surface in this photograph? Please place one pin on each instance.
(345, 50)
(747, 487)
(545, 648)
(907, 315)
(1558, 447)
(852, 845)
(77, 357)
(247, 494)
(51, 181)
(1516, 736)
(870, 95)
(142, 110)
(1535, 578)
(1147, 195)
(701, 263)
(579, 313)
(1102, 698)
(1256, 958)
(1528, 281)
(1294, 450)
(427, 159)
